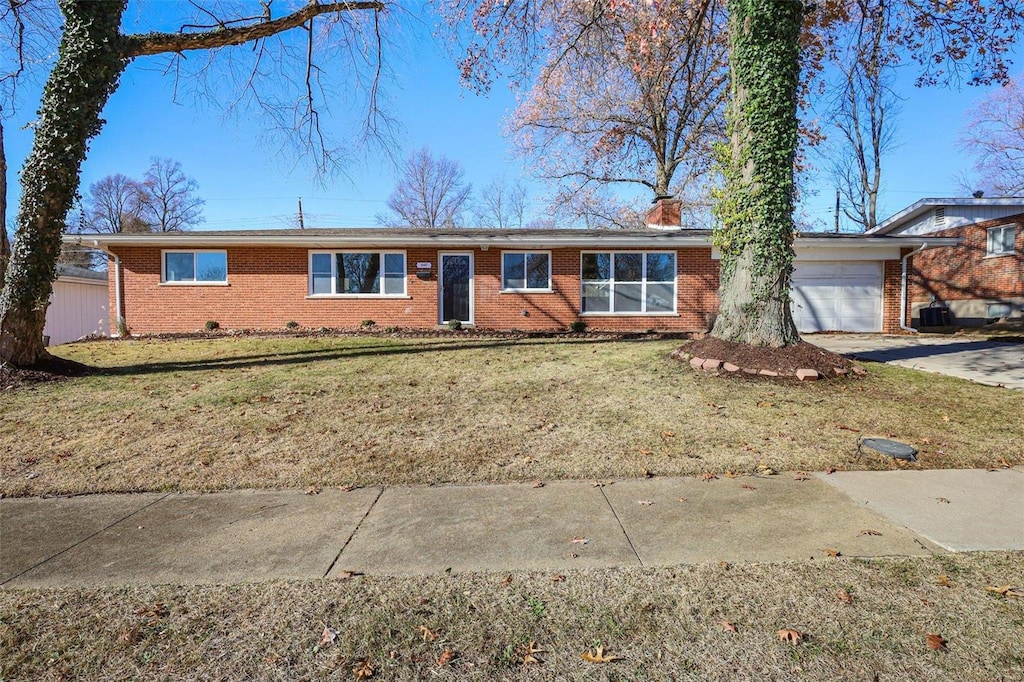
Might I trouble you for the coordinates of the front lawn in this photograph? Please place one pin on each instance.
(334, 411)
(857, 620)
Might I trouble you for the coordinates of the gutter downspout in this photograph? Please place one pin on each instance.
(903, 289)
(118, 316)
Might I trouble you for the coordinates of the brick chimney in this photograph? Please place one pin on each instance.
(666, 214)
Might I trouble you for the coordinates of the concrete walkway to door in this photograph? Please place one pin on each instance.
(985, 362)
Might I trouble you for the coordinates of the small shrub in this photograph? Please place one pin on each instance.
(211, 325)
(391, 329)
(578, 327)
(123, 330)
(367, 323)
(291, 324)
(454, 325)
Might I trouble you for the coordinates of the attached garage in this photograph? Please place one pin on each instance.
(78, 305)
(837, 296)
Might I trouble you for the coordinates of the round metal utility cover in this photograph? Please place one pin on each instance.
(893, 448)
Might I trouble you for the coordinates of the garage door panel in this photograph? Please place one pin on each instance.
(837, 296)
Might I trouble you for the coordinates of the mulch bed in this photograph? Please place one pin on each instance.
(51, 369)
(785, 361)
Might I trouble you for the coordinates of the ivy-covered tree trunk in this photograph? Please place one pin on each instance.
(89, 63)
(756, 205)
(5, 247)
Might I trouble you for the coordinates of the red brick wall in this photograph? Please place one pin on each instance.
(892, 289)
(268, 286)
(962, 273)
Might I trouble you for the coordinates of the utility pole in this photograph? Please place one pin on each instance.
(837, 211)
(302, 224)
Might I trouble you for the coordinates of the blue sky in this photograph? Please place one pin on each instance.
(247, 185)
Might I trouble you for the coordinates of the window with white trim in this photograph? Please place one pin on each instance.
(357, 273)
(1000, 240)
(526, 271)
(628, 282)
(195, 267)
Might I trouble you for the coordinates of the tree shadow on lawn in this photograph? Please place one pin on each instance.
(300, 357)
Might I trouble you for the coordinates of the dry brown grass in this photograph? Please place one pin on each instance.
(293, 412)
(662, 623)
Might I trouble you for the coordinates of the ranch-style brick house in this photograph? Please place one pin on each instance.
(981, 278)
(662, 278)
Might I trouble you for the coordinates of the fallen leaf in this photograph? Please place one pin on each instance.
(1005, 464)
(328, 636)
(131, 635)
(348, 488)
(708, 476)
(645, 451)
(945, 418)
(558, 578)
(747, 486)
(731, 474)
(573, 555)
(844, 596)
(445, 658)
(1008, 591)
(579, 540)
(155, 612)
(942, 499)
(528, 460)
(507, 579)
(791, 636)
(728, 627)
(648, 473)
(801, 476)
(538, 484)
(832, 552)
(598, 656)
(346, 575)
(764, 403)
(844, 427)
(724, 564)
(766, 470)
(529, 657)
(645, 503)
(869, 531)
(830, 470)
(427, 634)
(944, 581)
(363, 670)
(682, 499)
(926, 602)
(313, 491)
(668, 434)
(936, 642)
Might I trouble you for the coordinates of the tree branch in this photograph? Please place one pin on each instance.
(160, 43)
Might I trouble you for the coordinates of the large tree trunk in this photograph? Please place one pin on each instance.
(5, 246)
(89, 63)
(756, 206)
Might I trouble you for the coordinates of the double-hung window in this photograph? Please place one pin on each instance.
(354, 273)
(1000, 240)
(195, 267)
(628, 282)
(526, 271)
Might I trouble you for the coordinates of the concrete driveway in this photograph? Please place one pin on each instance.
(985, 362)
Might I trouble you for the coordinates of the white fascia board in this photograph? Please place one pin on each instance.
(197, 240)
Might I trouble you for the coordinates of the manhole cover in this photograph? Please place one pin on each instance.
(893, 448)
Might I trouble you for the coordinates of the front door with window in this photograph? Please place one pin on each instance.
(456, 288)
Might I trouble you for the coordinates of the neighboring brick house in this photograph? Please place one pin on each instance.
(981, 278)
(658, 278)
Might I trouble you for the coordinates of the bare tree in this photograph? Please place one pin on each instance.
(629, 93)
(863, 109)
(92, 55)
(431, 192)
(994, 136)
(168, 202)
(501, 205)
(113, 205)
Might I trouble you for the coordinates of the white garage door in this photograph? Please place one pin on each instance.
(838, 296)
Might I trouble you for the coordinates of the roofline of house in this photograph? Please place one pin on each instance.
(924, 205)
(381, 239)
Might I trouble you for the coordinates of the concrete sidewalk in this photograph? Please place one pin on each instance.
(259, 535)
